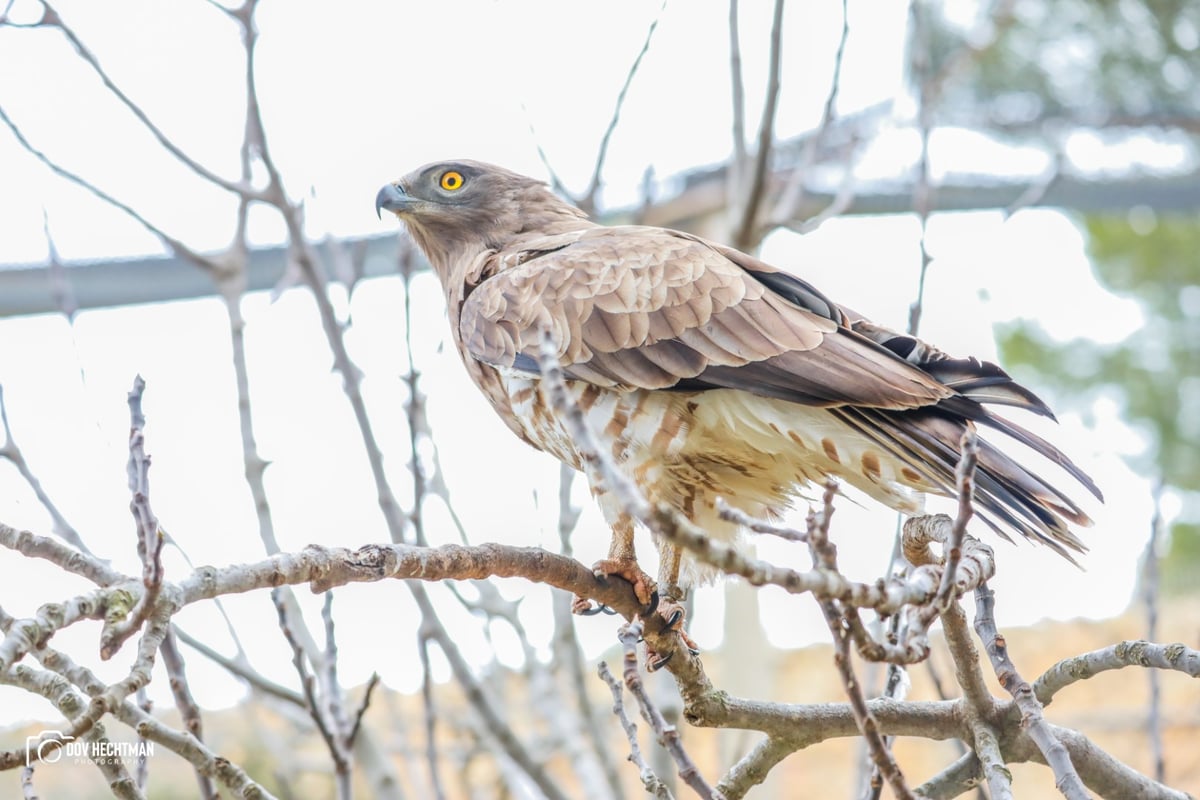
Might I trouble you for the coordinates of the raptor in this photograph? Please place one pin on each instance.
(706, 372)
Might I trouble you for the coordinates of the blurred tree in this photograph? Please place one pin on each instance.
(1120, 72)
(1155, 374)
(1076, 64)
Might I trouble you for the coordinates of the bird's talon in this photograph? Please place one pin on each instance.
(655, 662)
(596, 609)
(674, 619)
(653, 605)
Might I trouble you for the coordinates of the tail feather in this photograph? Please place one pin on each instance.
(1007, 495)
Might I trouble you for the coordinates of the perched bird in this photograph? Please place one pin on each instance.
(706, 372)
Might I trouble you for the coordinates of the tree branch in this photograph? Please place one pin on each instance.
(746, 235)
(1066, 778)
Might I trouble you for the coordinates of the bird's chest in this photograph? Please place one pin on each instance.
(628, 426)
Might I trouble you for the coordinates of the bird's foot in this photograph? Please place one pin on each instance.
(672, 614)
(627, 568)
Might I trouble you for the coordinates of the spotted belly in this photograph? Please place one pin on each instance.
(688, 449)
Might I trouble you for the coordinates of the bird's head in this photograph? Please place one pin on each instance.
(456, 209)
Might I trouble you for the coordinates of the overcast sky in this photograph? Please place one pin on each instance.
(357, 96)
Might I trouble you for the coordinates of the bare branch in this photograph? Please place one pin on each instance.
(666, 734)
(372, 683)
(1106, 775)
(184, 744)
(842, 621)
(556, 182)
(1057, 757)
(52, 19)
(568, 654)
(77, 563)
(63, 295)
(965, 481)
(746, 235)
(27, 790)
(189, 712)
(652, 783)
(316, 710)
(149, 537)
(1149, 587)
(1037, 190)
(1178, 657)
(929, 91)
(754, 767)
(735, 515)
(793, 193)
(12, 453)
(109, 698)
(840, 202)
(71, 703)
(588, 201)
(954, 780)
(429, 714)
(735, 185)
(175, 245)
(255, 679)
(25, 635)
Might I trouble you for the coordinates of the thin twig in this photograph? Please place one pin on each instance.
(1036, 191)
(588, 201)
(1150, 587)
(12, 453)
(737, 164)
(429, 715)
(747, 232)
(316, 711)
(372, 682)
(1059, 760)
(52, 19)
(666, 734)
(741, 518)
(241, 669)
(651, 782)
(149, 537)
(189, 711)
(177, 246)
(838, 618)
(793, 193)
(922, 188)
(952, 549)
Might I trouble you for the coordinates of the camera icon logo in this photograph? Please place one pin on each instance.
(45, 747)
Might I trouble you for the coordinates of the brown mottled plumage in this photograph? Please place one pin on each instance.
(707, 372)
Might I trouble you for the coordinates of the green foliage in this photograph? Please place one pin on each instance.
(1179, 568)
(1091, 61)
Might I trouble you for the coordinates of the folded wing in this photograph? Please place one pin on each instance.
(647, 308)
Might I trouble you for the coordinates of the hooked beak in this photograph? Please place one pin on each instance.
(392, 197)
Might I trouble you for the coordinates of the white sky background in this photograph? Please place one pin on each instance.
(355, 97)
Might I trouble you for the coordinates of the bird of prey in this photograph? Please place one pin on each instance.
(707, 373)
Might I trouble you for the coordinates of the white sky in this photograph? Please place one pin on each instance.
(355, 97)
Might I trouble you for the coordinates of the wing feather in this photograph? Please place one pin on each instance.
(647, 308)
(612, 293)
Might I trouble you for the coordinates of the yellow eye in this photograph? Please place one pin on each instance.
(452, 181)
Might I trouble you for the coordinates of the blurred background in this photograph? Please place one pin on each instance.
(1012, 180)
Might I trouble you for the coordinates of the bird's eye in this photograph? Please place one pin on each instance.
(452, 180)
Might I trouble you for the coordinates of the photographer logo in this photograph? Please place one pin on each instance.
(50, 746)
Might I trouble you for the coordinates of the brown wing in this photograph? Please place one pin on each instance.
(637, 307)
(654, 309)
